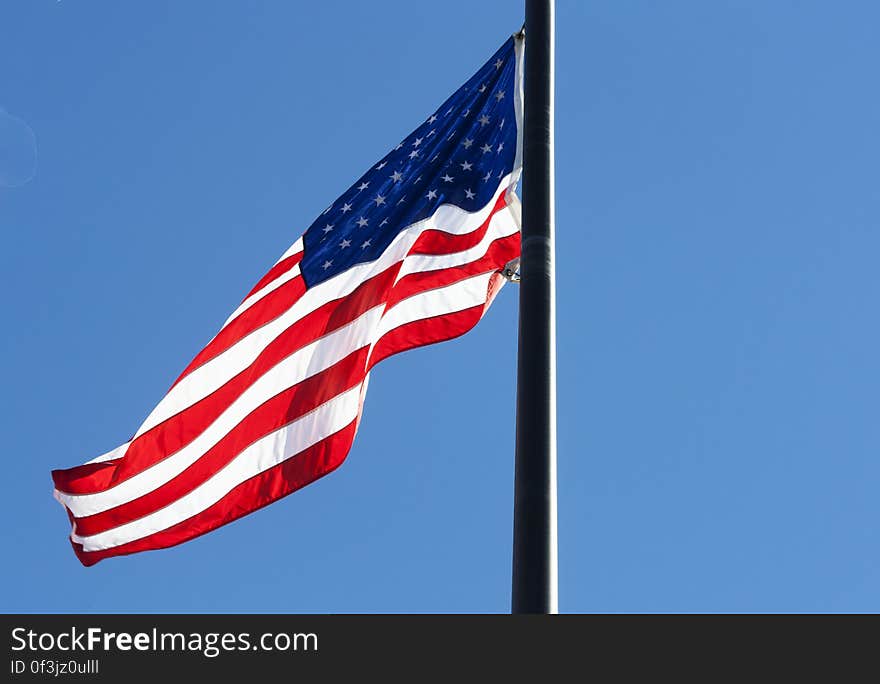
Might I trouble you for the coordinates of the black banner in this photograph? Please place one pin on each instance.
(412, 647)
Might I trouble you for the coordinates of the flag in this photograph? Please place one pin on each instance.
(411, 254)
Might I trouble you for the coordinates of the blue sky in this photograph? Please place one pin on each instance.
(718, 218)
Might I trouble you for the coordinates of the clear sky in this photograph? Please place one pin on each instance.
(718, 194)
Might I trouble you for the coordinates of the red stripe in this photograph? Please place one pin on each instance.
(438, 242)
(500, 251)
(251, 495)
(265, 310)
(280, 410)
(276, 271)
(424, 332)
(81, 479)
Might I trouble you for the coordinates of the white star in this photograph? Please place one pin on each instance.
(466, 112)
(399, 145)
(413, 154)
(467, 142)
(501, 173)
(499, 63)
(362, 222)
(417, 142)
(451, 135)
(396, 176)
(469, 194)
(500, 95)
(435, 157)
(401, 200)
(328, 227)
(500, 146)
(346, 208)
(448, 111)
(327, 264)
(384, 221)
(501, 125)
(487, 176)
(365, 245)
(466, 166)
(430, 133)
(432, 119)
(484, 120)
(483, 88)
(381, 166)
(364, 185)
(327, 210)
(486, 148)
(448, 178)
(432, 194)
(379, 200)
(345, 244)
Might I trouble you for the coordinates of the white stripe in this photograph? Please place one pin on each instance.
(518, 99)
(303, 364)
(295, 248)
(444, 300)
(263, 454)
(118, 452)
(217, 371)
(501, 225)
(262, 292)
(299, 435)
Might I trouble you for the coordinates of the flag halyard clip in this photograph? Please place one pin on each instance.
(511, 271)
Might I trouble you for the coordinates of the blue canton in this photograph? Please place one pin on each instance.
(458, 156)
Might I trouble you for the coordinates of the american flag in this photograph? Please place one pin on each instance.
(411, 254)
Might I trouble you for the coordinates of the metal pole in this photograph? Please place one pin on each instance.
(534, 532)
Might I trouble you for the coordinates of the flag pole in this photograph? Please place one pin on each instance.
(534, 516)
